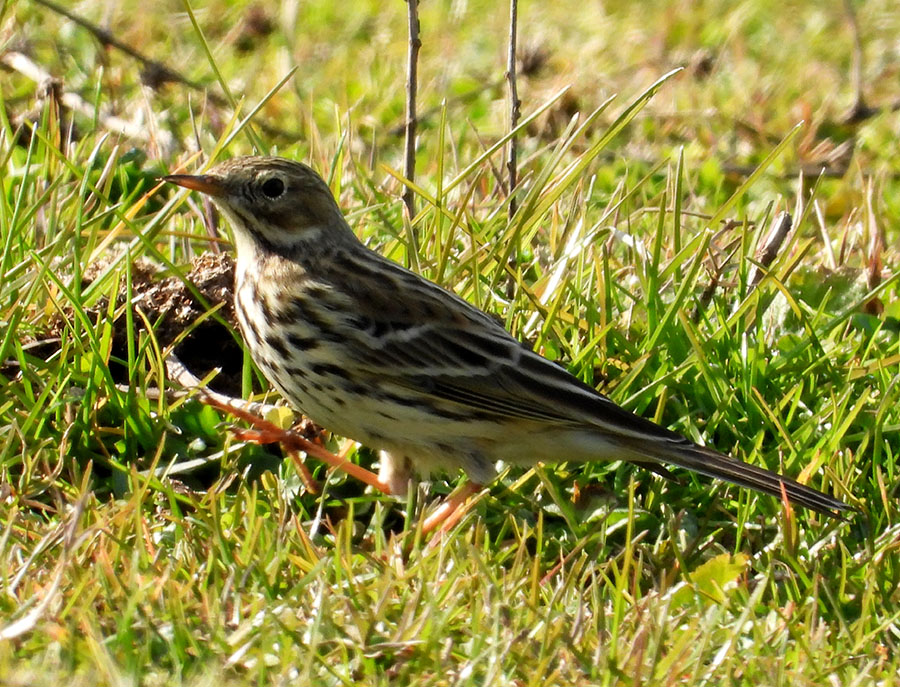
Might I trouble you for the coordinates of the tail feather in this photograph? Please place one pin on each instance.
(714, 464)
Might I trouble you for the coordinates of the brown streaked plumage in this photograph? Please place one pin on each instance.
(376, 353)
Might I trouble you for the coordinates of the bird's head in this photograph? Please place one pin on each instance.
(273, 204)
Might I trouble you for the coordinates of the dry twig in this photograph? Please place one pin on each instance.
(514, 104)
(154, 73)
(412, 82)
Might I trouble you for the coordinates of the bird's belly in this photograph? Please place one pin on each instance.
(307, 371)
(310, 383)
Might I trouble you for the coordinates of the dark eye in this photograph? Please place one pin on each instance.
(273, 187)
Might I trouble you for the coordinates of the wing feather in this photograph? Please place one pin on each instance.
(454, 352)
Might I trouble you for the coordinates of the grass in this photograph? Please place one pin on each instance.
(118, 567)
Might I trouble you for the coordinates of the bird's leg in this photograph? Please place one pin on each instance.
(451, 509)
(265, 432)
(312, 486)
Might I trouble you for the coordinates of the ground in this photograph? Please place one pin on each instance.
(140, 543)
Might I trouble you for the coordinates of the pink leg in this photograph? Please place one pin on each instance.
(265, 432)
(452, 509)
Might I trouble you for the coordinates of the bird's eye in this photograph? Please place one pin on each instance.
(273, 187)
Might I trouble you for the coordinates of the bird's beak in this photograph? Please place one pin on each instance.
(204, 183)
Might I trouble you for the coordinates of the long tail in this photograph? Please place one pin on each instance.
(714, 464)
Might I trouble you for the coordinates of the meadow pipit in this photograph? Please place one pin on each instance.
(376, 353)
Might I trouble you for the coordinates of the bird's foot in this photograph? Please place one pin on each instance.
(451, 510)
(265, 432)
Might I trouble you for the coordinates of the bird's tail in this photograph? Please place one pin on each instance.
(714, 464)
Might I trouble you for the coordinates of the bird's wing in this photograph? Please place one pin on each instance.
(493, 372)
(416, 334)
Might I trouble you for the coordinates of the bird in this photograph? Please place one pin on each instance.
(374, 352)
